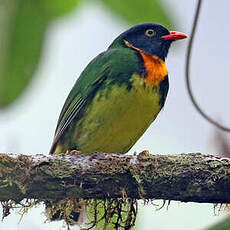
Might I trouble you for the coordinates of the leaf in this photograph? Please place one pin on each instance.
(26, 30)
(22, 28)
(140, 11)
(222, 225)
(57, 8)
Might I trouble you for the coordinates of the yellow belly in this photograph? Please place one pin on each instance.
(117, 118)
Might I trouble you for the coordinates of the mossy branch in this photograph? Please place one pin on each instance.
(182, 177)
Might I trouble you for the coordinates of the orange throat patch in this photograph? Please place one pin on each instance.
(156, 69)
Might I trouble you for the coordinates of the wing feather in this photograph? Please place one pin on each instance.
(74, 107)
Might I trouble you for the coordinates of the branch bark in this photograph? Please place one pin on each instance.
(182, 177)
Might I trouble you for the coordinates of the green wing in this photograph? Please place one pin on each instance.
(111, 65)
(79, 95)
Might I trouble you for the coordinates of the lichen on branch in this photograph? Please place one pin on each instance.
(107, 185)
(183, 177)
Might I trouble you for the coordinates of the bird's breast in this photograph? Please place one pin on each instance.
(118, 116)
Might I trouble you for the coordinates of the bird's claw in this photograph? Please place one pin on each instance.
(74, 152)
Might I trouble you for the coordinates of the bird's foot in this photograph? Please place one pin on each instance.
(74, 152)
(123, 193)
(143, 154)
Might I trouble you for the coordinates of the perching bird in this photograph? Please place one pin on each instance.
(118, 95)
(113, 102)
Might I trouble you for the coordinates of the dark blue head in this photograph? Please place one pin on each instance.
(153, 39)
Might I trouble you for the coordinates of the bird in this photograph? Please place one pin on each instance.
(118, 95)
(115, 99)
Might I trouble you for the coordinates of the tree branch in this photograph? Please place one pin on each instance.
(183, 177)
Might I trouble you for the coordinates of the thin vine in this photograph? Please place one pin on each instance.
(187, 73)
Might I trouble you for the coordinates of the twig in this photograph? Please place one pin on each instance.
(187, 73)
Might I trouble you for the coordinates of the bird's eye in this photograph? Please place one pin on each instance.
(150, 33)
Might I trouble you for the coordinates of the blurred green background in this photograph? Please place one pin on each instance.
(44, 46)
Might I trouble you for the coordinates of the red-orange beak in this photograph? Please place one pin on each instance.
(174, 35)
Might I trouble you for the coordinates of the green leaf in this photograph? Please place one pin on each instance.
(112, 214)
(140, 11)
(222, 225)
(26, 30)
(56, 8)
(23, 24)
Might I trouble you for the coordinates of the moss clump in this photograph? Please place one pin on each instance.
(119, 214)
(23, 207)
(68, 210)
(109, 214)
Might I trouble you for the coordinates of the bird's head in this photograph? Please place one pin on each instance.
(151, 38)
